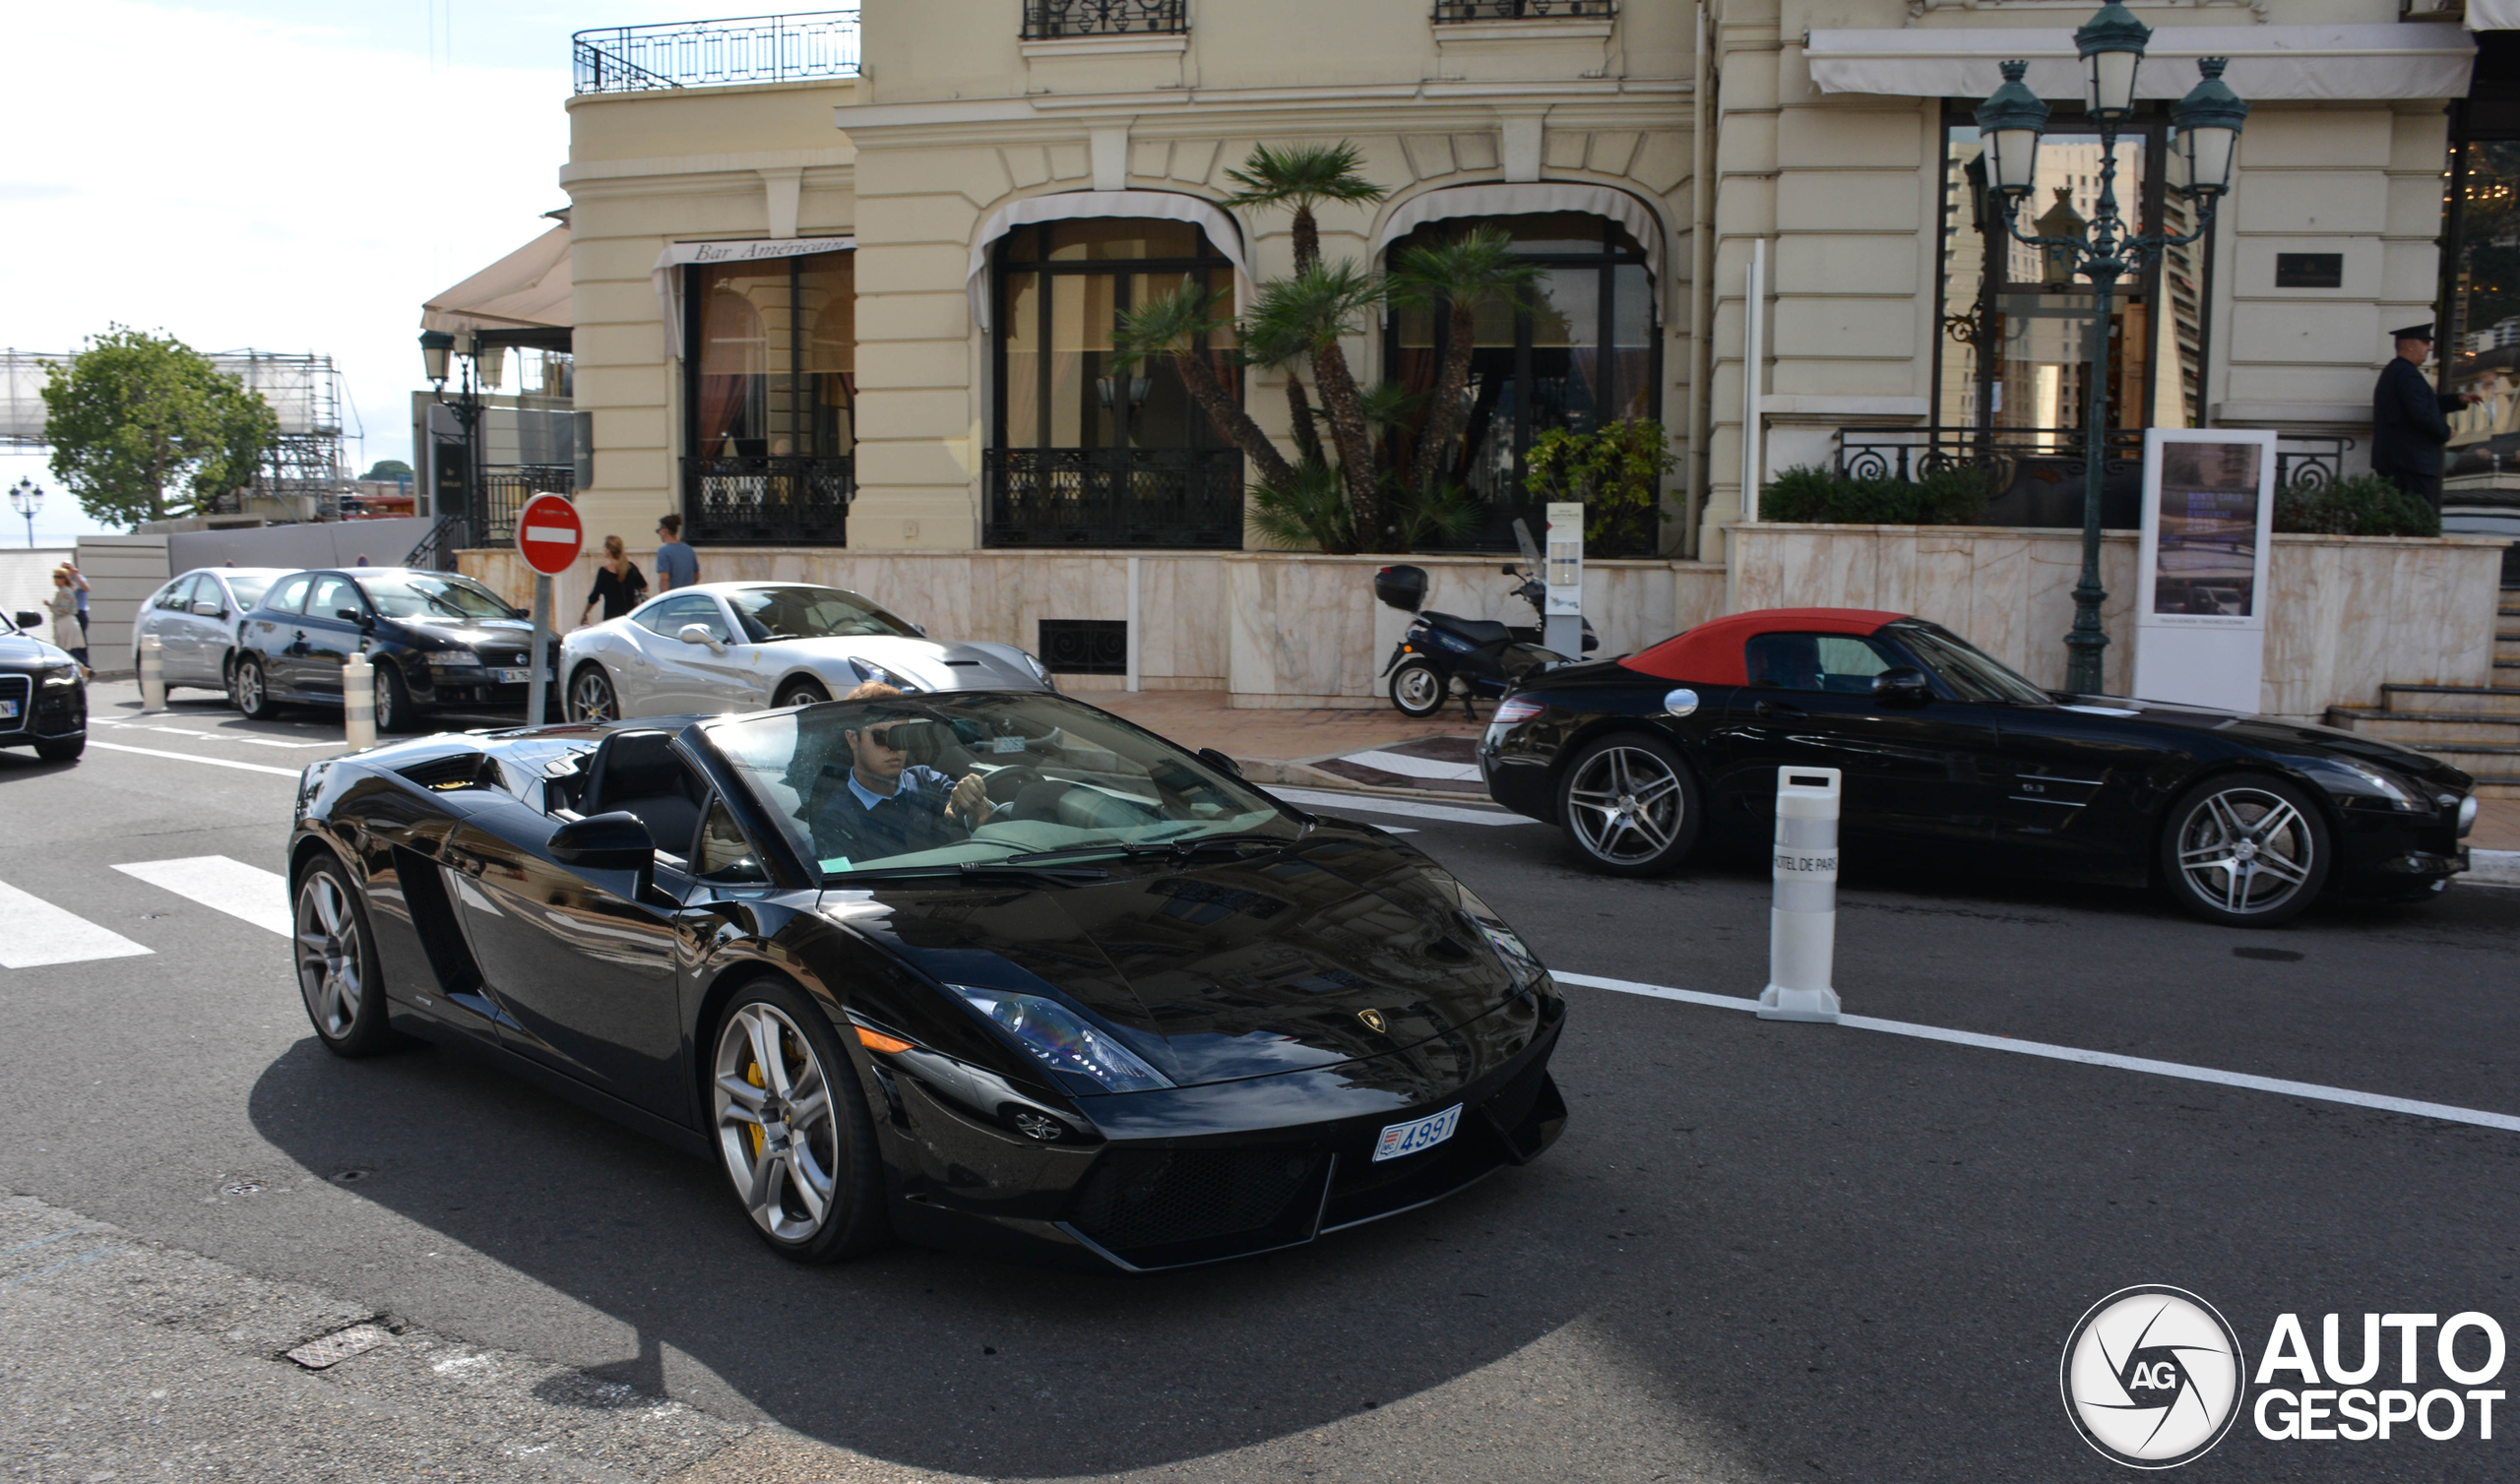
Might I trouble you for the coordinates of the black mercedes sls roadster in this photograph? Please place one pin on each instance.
(990, 969)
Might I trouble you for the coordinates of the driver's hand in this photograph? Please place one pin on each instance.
(971, 800)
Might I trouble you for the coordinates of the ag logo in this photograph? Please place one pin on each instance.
(2152, 1377)
(1372, 1019)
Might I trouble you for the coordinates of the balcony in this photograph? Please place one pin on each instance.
(717, 53)
(768, 500)
(1053, 20)
(1183, 498)
(2037, 473)
(1523, 9)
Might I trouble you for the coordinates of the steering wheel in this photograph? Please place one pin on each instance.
(1008, 783)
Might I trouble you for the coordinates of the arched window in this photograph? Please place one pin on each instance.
(1582, 348)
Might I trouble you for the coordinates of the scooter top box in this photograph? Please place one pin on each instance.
(1402, 588)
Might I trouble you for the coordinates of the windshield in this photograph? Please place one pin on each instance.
(980, 778)
(429, 594)
(1970, 671)
(769, 614)
(249, 590)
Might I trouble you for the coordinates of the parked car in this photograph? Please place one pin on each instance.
(43, 698)
(1085, 996)
(720, 647)
(2243, 820)
(196, 618)
(437, 641)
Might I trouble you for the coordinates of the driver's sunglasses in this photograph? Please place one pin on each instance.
(882, 737)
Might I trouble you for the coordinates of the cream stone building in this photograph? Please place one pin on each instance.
(845, 284)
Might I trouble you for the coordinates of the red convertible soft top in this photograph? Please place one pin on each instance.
(1710, 653)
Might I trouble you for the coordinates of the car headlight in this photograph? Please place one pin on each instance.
(1040, 671)
(63, 676)
(869, 670)
(1059, 1039)
(2467, 815)
(2377, 784)
(454, 660)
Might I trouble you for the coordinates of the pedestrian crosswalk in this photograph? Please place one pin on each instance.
(36, 932)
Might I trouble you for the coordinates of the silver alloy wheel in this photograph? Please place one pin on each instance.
(2246, 850)
(249, 687)
(381, 685)
(328, 955)
(774, 1122)
(1625, 804)
(1417, 688)
(591, 697)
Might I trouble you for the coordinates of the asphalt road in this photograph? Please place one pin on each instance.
(1761, 1251)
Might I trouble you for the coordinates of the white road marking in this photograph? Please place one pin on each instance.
(177, 731)
(1414, 767)
(2281, 1087)
(33, 932)
(194, 757)
(1366, 803)
(232, 886)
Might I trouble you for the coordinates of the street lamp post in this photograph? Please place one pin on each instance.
(435, 346)
(2009, 122)
(26, 498)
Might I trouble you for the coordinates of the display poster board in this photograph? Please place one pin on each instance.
(1562, 574)
(2200, 601)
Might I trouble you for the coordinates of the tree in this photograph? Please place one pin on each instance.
(388, 468)
(144, 426)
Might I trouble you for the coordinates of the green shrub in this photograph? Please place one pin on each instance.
(1616, 470)
(1945, 497)
(2359, 504)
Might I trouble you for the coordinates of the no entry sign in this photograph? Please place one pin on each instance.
(549, 534)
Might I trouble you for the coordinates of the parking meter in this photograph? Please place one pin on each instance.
(1562, 574)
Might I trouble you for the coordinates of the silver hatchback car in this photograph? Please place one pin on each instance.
(195, 618)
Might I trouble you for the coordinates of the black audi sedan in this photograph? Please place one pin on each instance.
(435, 640)
(991, 969)
(1943, 750)
(43, 699)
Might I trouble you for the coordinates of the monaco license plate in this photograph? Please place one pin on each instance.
(512, 677)
(1424, 1133)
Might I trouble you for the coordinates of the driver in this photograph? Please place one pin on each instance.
(888, 805)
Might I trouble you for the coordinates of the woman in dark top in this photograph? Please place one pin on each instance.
(618, 583)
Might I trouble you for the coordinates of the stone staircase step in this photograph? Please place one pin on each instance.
(2478, 760)
(2425, 732)
(2472, 699)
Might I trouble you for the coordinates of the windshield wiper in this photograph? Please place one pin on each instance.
(1180, 849)
(971, 870)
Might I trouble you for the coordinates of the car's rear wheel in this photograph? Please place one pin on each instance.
(253, 690)
(802, 693)
(1416, 688)
(590, 695)
(790, 1127)
(1630, 805)
(336, 968)
(2245, 850)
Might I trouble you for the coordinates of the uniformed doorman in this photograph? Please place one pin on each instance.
(2409, 421)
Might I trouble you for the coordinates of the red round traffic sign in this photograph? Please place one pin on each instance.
(549, 534)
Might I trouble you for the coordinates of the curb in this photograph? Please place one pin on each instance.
(2495, 868)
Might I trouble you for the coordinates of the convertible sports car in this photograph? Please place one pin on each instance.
(43, 699)
(2243, 819)
(993, 969)
(720, 646)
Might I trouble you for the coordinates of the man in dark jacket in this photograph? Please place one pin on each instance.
(2408, 426)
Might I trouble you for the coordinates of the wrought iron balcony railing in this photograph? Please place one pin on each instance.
(717, 53)
(1113, 497)
(768, 501)
(1522, 10)
(503, 490)
(2036, 474)
(1047, 20)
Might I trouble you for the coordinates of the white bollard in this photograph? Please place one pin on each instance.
(1802, 925)
(153, 673)
(359, 702)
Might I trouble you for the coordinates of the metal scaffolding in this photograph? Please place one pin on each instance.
(305, 393)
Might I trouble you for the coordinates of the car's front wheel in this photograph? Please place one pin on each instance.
(2245, 850)
(336, 968)
(802, 693)
(254, 691)
(590, 695)
(1630, 805)
(790, 1127)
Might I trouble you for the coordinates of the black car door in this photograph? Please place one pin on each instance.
(581, 961)
(274, 636)
(330, 638)
(1918, 772)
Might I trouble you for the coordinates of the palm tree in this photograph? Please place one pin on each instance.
(1469, 272)
(1306, 315)
(1301, 177)
(1173, 325)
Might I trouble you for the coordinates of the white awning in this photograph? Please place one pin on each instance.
(744, 250)
(2493, 14)
(528, 289)
(1523, 200)
(1223, 233)
(2268, 62)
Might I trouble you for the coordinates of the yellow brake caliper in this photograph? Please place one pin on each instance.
(752, 1131)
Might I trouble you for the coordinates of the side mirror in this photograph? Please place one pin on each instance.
(616, 841)
(27, 618)
(697, 634)
(208, 608)
(919, 629)
(351, 616)
(1904, 685)
(1508, 569)
(1219, 761)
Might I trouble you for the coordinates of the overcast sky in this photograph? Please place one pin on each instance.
(293, 175)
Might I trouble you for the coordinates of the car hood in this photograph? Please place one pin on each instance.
(471, 632)
(25, 651)
(1224, 972)
(927, 663)
(2269, 734)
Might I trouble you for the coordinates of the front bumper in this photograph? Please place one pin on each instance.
(2387, 854)
(44, 714)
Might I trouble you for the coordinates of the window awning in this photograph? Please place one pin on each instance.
(2493, 14)
(1223, 233)
(742, 250)
(525, 291)
(1527, 199)
(2268, 62)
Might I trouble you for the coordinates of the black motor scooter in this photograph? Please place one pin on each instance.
(1481, 655)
